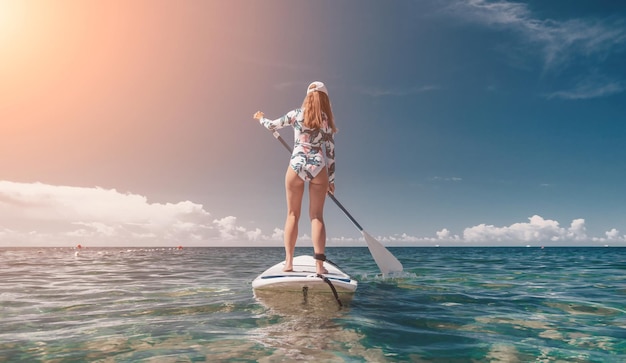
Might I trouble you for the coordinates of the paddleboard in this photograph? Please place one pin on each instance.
(304, 276)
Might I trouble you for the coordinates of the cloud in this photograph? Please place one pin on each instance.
(382, 92)
(446, 179)
(46, 215)
(230, 231)
(42, 214)
(591, 87)
(536, 230)
(277, 235)
(611, 236)
(559, 41)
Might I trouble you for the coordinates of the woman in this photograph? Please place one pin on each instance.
(312, 161)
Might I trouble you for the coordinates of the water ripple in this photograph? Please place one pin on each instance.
(449, 305)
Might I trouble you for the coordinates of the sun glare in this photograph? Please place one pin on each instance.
(28, 47)
(11, 16)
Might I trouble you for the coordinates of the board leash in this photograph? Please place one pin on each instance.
(332, 287)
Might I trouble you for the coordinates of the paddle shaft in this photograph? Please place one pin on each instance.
(343, 209)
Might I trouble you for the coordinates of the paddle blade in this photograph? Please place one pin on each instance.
(387, 263)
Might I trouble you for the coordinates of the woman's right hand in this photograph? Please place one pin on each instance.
(258, 115)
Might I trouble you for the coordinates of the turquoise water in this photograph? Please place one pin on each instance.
(197, 305)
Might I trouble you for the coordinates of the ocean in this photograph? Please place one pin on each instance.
(461, 304)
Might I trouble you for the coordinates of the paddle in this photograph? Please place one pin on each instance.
(387, 263)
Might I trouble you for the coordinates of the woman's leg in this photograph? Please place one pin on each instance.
(294, 187)
(318, 187)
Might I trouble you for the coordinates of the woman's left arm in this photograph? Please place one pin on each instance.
(279, 123)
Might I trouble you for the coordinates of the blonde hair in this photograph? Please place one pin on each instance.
(315, 103)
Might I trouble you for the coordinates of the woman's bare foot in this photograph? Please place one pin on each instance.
(320, 268)
(288, 265)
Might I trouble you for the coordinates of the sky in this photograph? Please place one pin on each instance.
(461, 122)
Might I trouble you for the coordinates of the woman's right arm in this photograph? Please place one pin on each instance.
(329, 140)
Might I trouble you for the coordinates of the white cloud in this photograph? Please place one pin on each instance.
(380, 92)
(588, 41)
(446, 235)
(594, 86)
(446, 179)
(46, 215)
(42, 214)
(577, 231)
(536, 230)
(611, 236)
(228, 228)
(558, 40)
